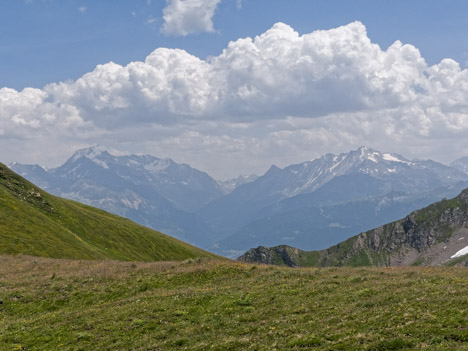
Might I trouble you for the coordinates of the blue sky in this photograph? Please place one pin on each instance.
(44, 41)
(232, 87)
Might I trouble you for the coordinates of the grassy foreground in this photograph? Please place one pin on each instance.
(48, 304)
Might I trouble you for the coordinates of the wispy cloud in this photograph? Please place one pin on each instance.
(82, 9)
(151, 20)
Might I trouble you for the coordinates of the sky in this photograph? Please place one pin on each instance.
(233, 86)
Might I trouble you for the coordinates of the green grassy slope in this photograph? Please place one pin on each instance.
(34, 222)
(50, 304)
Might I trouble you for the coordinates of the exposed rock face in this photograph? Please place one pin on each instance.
(430, 236)
(282, 255)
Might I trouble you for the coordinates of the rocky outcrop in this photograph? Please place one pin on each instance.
(278, 255)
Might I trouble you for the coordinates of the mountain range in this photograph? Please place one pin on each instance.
(157, 193)
(319, 203)
(310, 205)
(435, 235)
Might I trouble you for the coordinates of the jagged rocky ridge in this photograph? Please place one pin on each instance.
(435, 235)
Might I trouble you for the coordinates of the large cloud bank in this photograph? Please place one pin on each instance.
(278, 98)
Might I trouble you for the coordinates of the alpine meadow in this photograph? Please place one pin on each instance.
(233, 175)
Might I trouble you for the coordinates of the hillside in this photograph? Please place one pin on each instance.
(50, 304)
(34, 222)
(435, 235)
(157, 193)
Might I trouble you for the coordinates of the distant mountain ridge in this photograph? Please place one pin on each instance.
(435, 235)
(299, 203)
(186, 187)
(158, 193)
(461, 164)
(229, 185)
(311, 205)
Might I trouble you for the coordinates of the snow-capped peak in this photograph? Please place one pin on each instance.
(367, 153)
(393, 158)
(158, 165)
(311, 175)
(97, 150)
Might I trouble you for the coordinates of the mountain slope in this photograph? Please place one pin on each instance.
(153, 192)
(437, 234)
(186, 187)
(318, 220)
(377, 173)
(229, 185)
(461, 164)
(34, 222)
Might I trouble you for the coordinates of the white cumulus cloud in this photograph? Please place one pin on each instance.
(183, 17)
(279, 97)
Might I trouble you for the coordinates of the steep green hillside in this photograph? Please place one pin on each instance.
(430, 236)
(34, 222)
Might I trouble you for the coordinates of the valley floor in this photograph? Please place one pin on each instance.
(50, 304)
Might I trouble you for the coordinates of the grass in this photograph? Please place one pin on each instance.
(36, 223)
(202, 304)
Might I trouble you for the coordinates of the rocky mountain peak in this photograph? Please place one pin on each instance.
(111, 158)
(365, 153)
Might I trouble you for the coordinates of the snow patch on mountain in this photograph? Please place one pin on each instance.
(229, 185)
(135, 204)
(392, 158)
(461, 252)
(158, 165)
